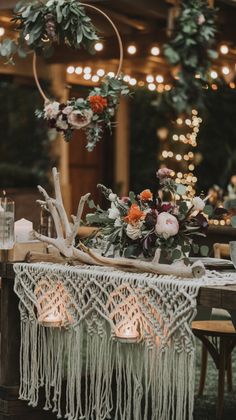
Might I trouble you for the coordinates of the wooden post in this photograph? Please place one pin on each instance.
(122, 148)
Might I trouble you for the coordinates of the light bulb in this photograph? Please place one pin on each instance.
(100, 72)
(132, 49)
(70, 69)
(155, 50)
(159, 78)
(79, 70)
(98, 46)
(2, 31)
(224, 49)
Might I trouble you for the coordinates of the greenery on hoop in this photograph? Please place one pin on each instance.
(191, 52)
(93, 113)
(42, 25)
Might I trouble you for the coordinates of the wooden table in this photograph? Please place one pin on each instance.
(13, 409)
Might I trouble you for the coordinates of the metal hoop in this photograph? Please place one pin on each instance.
(119, 42)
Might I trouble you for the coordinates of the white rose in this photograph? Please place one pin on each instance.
(51, 110)
(167, 225)
(198, 203)
(134, 232)
(112, 197)
(113, 212)
(61, 124)
(79, 119)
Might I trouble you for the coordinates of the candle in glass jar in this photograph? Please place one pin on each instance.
(23, 230)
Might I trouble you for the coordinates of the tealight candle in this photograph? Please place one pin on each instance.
(23, 230)
(127, 333)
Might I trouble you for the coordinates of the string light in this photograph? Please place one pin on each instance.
(133, 81)
(224, 49)
(151, 86)
(70, 69)
(95, 78)
(100, 72)
(132, 49)
(87, 76)
(98, 46)
(2, 31)
(79, 70)
(159, 78)
(87, 70)
(155, 51)
(213, 74)
(111, 74)
(225, 70)
(150, 78)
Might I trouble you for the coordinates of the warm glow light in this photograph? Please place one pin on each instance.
(126, 78)
(191, 167)
(95, 78)
(87, 76)
(151, 86)
(165, 153)
(150, 78)
(132, 49)
(159, 78)
(214, 74)
(27, 37)
(175, 137)
(70, 69)
(98, 46)
(178, 157)
(2, 31)
(133, 81)
(87, 70)
(155, 51)
(100, 72)
(225, 70)
(111, 74)
(224, 49)
(79, 70)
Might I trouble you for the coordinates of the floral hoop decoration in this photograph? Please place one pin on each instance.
(93, 113)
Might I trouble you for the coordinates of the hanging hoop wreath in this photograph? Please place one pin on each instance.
(93, 113)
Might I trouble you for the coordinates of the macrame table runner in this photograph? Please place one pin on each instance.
(154, 377)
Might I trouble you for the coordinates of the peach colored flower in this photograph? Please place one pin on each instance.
(134, 215)
(98, 103)
(146, 195)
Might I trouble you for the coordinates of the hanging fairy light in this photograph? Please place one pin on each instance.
(132, 49)
(224, 49)
(98, 46)
(155, 51)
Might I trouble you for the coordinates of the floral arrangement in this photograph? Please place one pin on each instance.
(92, 113)
(139, 225)
(41, 25)
(191, 52)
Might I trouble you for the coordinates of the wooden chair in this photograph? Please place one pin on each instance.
(221, 250)
(211, 333)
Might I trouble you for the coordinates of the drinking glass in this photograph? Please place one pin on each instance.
(232, 246)
(7, 216)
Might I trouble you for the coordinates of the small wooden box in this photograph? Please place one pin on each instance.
(20, 250)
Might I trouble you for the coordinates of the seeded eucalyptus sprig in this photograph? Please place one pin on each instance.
(191, 52)
(42, 25)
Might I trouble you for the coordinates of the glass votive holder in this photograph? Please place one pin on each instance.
(232, 247)
(7, 217)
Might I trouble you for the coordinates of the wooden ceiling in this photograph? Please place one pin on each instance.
(140, 22)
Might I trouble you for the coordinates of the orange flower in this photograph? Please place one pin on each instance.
(134, 215)
(97, 103)
(146, 195)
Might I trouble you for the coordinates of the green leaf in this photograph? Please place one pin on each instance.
(91, 204)
(132, 197)
(208, 209)
(204, 250)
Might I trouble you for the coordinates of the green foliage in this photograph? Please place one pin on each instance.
(24, 146)
(56, 22)
(192, 51)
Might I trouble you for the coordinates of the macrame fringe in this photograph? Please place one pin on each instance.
(150, 383)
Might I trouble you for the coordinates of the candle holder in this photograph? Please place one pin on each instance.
(127, 332)
(52, 301)
(7, 216)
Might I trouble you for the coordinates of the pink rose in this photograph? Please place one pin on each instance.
(79, 119)
(164, 173)
(167, 225)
